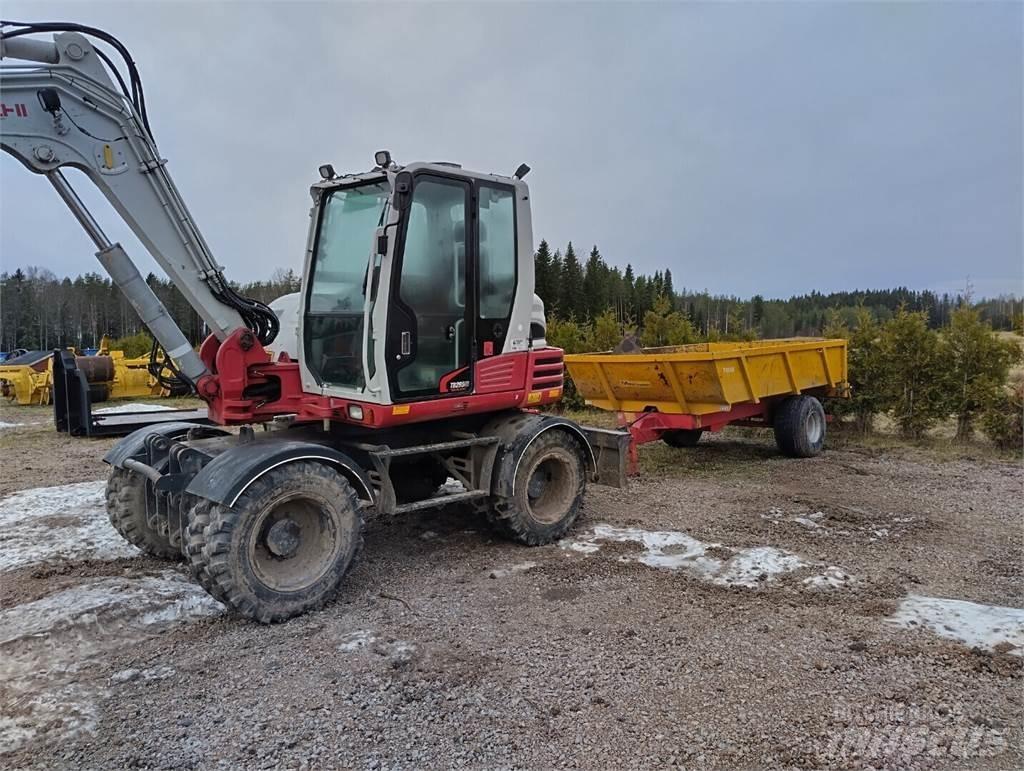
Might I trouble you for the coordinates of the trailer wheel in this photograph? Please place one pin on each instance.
(126, 508)
(800, 427)
(682, 437)
(548, 491)
(284, 547)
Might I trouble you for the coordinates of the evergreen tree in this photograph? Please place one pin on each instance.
(546, 284)
(572, 302)
(912, 367)
(977, 366)
(607, 331)
(667, 288)
(595, 285)
(664, 326)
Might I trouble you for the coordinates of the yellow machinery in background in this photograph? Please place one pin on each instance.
(28, 379)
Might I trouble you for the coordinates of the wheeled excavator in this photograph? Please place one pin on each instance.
(407, 374)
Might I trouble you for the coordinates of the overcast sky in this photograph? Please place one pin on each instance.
(751, 148)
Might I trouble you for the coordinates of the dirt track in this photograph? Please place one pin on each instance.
(449, 648)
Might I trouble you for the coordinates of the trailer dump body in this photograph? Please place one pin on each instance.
(709, 377)
(676, 394)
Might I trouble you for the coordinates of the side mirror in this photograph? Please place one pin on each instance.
(403, 191)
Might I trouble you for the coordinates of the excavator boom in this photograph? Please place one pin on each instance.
(64, 111)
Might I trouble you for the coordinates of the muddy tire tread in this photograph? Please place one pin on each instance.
(126, 509)
(210, 546)
(506, 517)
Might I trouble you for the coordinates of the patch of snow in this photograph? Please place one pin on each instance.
(517, 568)
(399, 651)
(4, 424)
(673, 550)
(749, 567)
(810, 521)
(54, 524)
(131, 407)
(973, 624)
(581, 546)
(50, 647)
(161, 672)
(831, 578)
(357, 640)
(452, 486)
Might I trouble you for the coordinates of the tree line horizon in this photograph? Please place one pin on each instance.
(40, 311)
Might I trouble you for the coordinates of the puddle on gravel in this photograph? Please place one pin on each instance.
(973, 624)
(49, 649)
(57, 524)
(749, 567)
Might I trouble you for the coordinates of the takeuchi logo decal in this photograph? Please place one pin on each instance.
(19, 110)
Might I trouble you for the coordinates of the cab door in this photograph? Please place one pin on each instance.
(495, 266)
(428, 345)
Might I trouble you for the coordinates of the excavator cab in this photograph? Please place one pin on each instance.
(415, 276)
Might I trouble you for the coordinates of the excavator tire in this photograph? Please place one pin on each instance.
(283, 548)
(126, 507)
(198, 521)
(548, 491)
(682, 437)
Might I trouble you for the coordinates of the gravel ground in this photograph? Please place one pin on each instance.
(450, 648)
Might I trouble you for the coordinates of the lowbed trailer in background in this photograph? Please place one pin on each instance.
(28, 379)
(676, 394)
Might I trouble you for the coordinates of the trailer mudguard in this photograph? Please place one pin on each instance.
(517, 431)
(228, 475)
(133, 444)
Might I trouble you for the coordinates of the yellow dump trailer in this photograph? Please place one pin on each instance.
(677, 393)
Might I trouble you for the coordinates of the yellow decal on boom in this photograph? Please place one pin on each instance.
(108, 157)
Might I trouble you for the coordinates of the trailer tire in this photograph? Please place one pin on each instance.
(126, 507)
(682, 437)
(799, 424)
(551, 477)
(285, 545)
